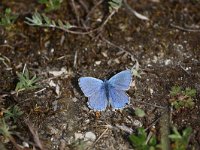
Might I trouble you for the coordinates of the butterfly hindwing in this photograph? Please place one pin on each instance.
(90, 85)
(118, 98)
(122, 80)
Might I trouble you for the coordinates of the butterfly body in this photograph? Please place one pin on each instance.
(107, 93)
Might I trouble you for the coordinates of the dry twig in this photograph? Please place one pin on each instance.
(35, 135)
(184, 29)
(138, 15)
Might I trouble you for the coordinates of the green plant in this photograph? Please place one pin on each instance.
(114, 5)
(51, 4)
(140, 140)
(190, 92)
(13, 112)
(175, 90)
(25, 82)
(180, 140)
(8, 18)
(44, 21)
(182, 98)
(139, 112)
(4, 128)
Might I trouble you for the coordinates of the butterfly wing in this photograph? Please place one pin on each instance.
(117, 98)
(98, 100)
(94, 89)
(122, 80)
(90, 85)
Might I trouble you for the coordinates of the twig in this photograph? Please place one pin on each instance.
(24, 69)
(138, 15)
(92, 10)
(155, 121)
(41, 90)
(105, 22)
(75, 59)
(84, 5)
(7, 45)
(24, 139)
(124, 128)
(35, 135)
(14, 143)
(183, 29)
(99, 137)
(114, 45)
(149, 137)
(154, 105)
(184, 69)
(76, 11)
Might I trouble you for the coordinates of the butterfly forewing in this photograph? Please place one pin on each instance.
(122, 80)
(98, 100)
(90, 85)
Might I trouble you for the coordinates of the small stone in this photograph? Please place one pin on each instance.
(90, 136)
(55, 105)
(104, 54)
(78, 136)
(137, 123)
(58, 73)
(167, 62)
(74, 99)
(25, 144)
(151, 91)
(117, 60)
(87, 121)
(97, 62)
(52, 130)
(52, 84)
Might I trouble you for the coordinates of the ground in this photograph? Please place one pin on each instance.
(166, 47)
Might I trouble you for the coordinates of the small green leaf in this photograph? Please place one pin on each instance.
(190, 92)
(187, 132)
(175, 90)
(114, 5)
(139, 112)
(8, 11)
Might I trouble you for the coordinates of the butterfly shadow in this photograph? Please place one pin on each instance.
(74, 82)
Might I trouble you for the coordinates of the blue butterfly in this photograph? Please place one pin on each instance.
(107, 93)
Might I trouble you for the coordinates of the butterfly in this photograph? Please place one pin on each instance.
(107, 93)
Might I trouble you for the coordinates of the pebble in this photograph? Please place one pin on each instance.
(74, 99)
(137, 123)
(90, 136)
(78, 136)
(168, 62)
(25, 144)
